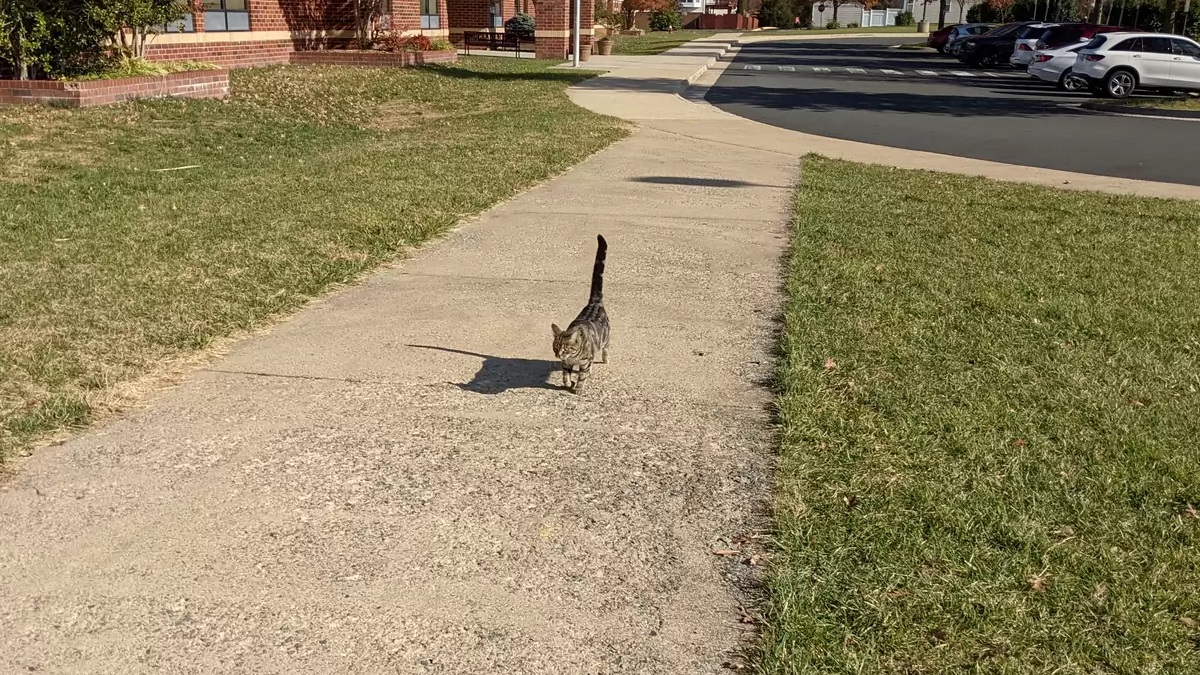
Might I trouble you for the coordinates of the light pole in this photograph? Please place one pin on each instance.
(575, 36)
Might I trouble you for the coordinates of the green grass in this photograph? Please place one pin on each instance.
(1184, 103)
(135, 67)
(111, 270)
(990, 399)
(655, 43)
(837, 31)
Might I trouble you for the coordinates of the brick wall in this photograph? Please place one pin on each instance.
(302, 15)
(228, 54)
(196, 84)
(371, 59)
(554, 28)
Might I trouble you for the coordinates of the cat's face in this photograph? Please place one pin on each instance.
(564, 343)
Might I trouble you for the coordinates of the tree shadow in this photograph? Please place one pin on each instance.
(699, 182)
(498, 374)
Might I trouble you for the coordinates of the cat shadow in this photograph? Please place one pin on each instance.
(498, 374)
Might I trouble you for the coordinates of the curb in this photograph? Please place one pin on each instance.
(726, 48)
(1139, 111)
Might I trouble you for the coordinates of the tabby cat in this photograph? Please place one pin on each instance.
(578, 345)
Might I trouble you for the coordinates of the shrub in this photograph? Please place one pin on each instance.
(906, 19)
(138, 67)
(666, 19)
(852, 24)
(610, 19)
(833, 25)
(52, 38)
(395, 42)
(442, 45)
(521, 25)
(777, 13)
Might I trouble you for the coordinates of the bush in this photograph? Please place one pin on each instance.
(906, 19)
(395, 42)
(521, 25)
(666, 19)
(852, 24)
(442, 45)
(139, 67)
(833, 25)
(777, 13)
(54, 39)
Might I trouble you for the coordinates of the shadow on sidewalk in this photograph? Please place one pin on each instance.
(498, 374)
(701, 182)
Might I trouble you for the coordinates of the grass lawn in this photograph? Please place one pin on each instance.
(1182, 103)
(837, 31)
(654, 43)
(991, 450)
(111, 269)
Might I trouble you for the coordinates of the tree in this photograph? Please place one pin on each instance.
(630, 8)
(1003, 8)
(134, 21)
(366, 16)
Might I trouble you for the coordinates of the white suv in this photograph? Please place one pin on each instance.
(1115, 64)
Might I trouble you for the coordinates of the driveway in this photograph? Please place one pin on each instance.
(859, 89)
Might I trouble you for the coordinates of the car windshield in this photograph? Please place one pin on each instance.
(1096, 42)
(1003, 30)
(1030, 32)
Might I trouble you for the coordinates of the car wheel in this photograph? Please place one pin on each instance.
(942, 49)
(1119, 83)
(1068, 82)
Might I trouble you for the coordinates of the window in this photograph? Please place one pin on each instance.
(226, 15)
(184, 25)
(429, 14)
(1185, 48)
(1156, 45)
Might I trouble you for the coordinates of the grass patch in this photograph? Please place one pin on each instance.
(836, 31)
(656, 43)
(1177, 103)
(306, 178)
(990, 459)
(134, 67)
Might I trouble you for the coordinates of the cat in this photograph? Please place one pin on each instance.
(587, 335)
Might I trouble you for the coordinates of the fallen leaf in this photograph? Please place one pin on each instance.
(1137, 403)
(849, 501)
(746, 618)
(1188, 621)
(937, 636)
(754, 560)
(830, 364)
(1019, 442)
(1100, 593)
(726, 551)
(897, 594)
(1038, 582)
(1190, 511)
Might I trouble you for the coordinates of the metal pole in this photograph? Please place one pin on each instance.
(575, 37)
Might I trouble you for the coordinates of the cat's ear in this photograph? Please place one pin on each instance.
(555, 329)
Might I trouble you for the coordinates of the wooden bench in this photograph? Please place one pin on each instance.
(496, 42)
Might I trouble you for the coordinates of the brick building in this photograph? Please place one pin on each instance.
(260, 32)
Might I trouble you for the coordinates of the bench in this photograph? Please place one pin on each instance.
(496, 42)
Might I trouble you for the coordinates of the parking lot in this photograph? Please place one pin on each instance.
(864, 89)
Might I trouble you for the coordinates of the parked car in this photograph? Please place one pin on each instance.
(1072, 33)
(938, 38)
(1117, 64)
(1024, 47)
(963, 31)
(994, 46)
(1056, 66)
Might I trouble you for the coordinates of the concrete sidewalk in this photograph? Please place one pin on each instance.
(391, 481)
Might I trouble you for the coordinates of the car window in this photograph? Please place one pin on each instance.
(1127, 45)
(1156, 45)
(1098, 42)
(1029, 32)
(1185, 48)
(976, 30)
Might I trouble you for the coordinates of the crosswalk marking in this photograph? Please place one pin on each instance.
(879, 71)
(788, 69)
(927, 72)
(960, 73)
(751, 67)
(860, 71)
(989, 74)
(892, 72)
(818, 69)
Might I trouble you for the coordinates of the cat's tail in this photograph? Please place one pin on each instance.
(597, 293)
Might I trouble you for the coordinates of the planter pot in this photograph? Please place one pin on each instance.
(605, 47)
(922, 26)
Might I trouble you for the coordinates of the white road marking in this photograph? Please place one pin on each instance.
(892, 72)
(991, 75)
(960, 73)
(818, 69)
(750, 67)
(927, 72)
(859, 71)
(788, 69)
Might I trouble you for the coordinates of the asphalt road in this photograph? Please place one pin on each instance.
(858, 89)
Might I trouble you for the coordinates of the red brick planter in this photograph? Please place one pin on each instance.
(192, 84)
(357, 57)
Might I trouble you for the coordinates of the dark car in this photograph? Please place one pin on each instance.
(938, 38)
(1070, 33)
(963, 31)
(995, 46)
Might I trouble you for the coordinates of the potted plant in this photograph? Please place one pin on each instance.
(612, 21)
